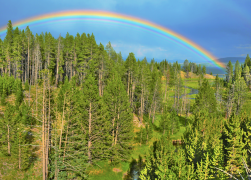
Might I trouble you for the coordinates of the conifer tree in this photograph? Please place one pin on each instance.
(204, 70)
(59, 61)
(29, 40)
(186, 66)
(247, 61)
(96, 126)
(240, 89)
(17, 53)
(9, 47)
(237, 70)
(19, 94)
(247, 75)
(120, 118)
(130, 65)
(205, 99)
(49, 54)
(166, 122)
(234, 145)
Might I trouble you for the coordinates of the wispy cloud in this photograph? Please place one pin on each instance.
(244, 46)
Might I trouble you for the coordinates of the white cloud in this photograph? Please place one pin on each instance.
(244, 46)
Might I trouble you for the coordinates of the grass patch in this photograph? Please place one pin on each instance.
(192, 96)
(107, 171)
(179, 134)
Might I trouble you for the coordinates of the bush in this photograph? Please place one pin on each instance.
(26, 86)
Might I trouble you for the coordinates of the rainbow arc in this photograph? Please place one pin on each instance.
(122, 19)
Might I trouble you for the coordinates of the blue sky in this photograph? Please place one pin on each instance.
(222, 27)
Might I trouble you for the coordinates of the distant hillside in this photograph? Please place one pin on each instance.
(226, 60)
(232, 59)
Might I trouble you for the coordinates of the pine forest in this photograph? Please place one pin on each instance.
(71, 108)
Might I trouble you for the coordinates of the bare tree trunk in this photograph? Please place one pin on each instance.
(141, 103)
(154, 111)
(117, 130)
(28, 58)
(128, 84)
(19, 154)
(8, 136)
(48, 142)
(62, 125)
(66, 138)
(89, 140)
(58, 56)
(155, 89)
(75, 61)
(102, 70)
(43, 135)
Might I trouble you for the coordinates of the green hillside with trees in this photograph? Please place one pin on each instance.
(74, 109)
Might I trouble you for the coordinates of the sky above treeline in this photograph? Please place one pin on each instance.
(222, 27)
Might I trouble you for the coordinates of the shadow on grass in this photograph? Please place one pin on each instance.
(156, 128)
(183, 120)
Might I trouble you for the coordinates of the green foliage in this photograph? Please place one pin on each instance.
(205, 99)
(234, 145)
(26, 86)
(186, 66)
(121, 118)
(92, 107)
(19, 94)
(204, 70)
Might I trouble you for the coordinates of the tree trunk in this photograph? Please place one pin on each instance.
(128, 84)
(90, 130)
(43, 136)
(19, 153)
(58, 56)
(66, 138)
(117, 130)
(28, 60)
(141, 103)
(154, 111)
(8, 136)
(62, 125)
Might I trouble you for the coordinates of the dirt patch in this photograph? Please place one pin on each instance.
(192, 75)
(208, 76)
(96, 171)
(137, 121)
(116, 170)
(125, 174)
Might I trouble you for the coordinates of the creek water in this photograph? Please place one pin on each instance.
(193, 91)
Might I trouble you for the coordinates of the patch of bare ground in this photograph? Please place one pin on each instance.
(192, 75)
(124, 175)
(137, 121)
(95, 172)
(116, 170)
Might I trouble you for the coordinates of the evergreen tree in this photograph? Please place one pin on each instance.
(204, 70)
(237, 70)
(247, 61)
(9, 47)
(234, 145)
(247, 75)
(186, 66)
(120, 118)
(205, 99)
(19, 94)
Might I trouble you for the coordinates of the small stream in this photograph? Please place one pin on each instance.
(193, 91)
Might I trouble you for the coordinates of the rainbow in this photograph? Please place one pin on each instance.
(122, 19)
